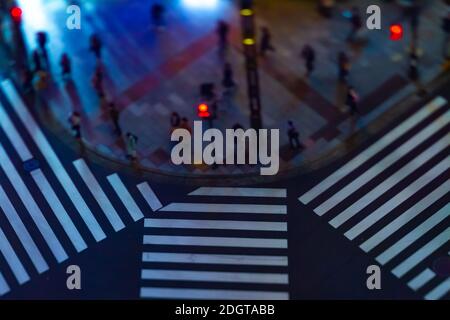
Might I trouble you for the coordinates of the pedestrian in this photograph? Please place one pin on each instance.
(185, 124)
(75, 123)
(343, 66)
(293, 136)
(446, 29)
(309, 55)
(42, 40)
(97, 81)
(266, 41)
(222, 32)
(65, 64)
(356, 24)
(352, 101)
(36, 61)
(114, 114)
(131, 142)
(95, 45)
(175, 120)
(157, 12)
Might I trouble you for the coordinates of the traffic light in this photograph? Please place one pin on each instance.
(203, 110)
(16, 14)
(396, 32)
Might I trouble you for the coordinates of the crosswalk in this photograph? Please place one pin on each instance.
(52, 208)
(227, 250)
(392, 198)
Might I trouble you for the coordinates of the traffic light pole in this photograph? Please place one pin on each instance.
(251, 62)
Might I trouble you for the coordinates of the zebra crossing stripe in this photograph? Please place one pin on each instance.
(149, 196)
(440, 291)
(375, 148)
(55, 164)
(31, 206)
(398, 199)
(225, 208)
(414, 235)
(216, 241)
(125, 197)
(405, 217)
(204, 294)
(24, 236)
(214, 276)
(59, 210)
(4, 288)
(387, 161)
(239, 192)
(422, 253)
(216, 224)
(12, 259)
(420, 280)
(99, 195)
(390, 182)
(226, 259)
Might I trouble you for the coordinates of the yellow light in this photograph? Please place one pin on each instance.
(249, 41)
(246, 12)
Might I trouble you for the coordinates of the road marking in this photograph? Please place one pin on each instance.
(99, 194)
(239, 192)
(204, 294)
(149, 196)
(414, 235)
(125, 197)
(216, 224)
(422, 253)
(398, 199)
(389, 183)
(387, 161)
(52, 159)
(419, 281)
(440, 291)
(405, 217)
(12, 259)
(214, 276)
(31, 206)
(215, 259)
(4, 288)
(22, 233)
(375, 148)
(225, 208)
(59, 210)
(216, 241)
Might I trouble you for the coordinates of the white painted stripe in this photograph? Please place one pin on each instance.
(24, 236)
(422, 253)
(99, 194)
(420, 280)
(373, 149)
(31, 206)
(216, 241)
(59, 210)
(214, 276)
(12, 259)
(209, 294)
(4, 288)
(216, 224)
(149, 196)
(225, 208)
(8, 127)
(239, 192)
(405, 217)
(390, 182)
(414, 235)
(215, 259)
(387, 161)
(398, 199)
(125, 197)
(440, 291)
(52, 159)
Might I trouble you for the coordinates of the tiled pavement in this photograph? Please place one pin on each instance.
(160, 73)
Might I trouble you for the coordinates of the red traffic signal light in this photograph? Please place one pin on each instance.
(203, 110)
(16, 14)
(396, 32)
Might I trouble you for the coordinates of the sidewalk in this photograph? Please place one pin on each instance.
(151, 75)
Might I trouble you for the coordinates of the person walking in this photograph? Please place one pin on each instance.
(95, 45)
(65, 64)
(293, 136)
(343, 66)
(352, 101)
(266, 41)
(131, 142)
(185, 124)
(309, 55)
(356, 24)
(42, 40)
(114, 115)
(75, 123)
(222, 32)
(157, 13)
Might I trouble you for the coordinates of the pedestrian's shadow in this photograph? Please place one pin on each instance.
(73, 94)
